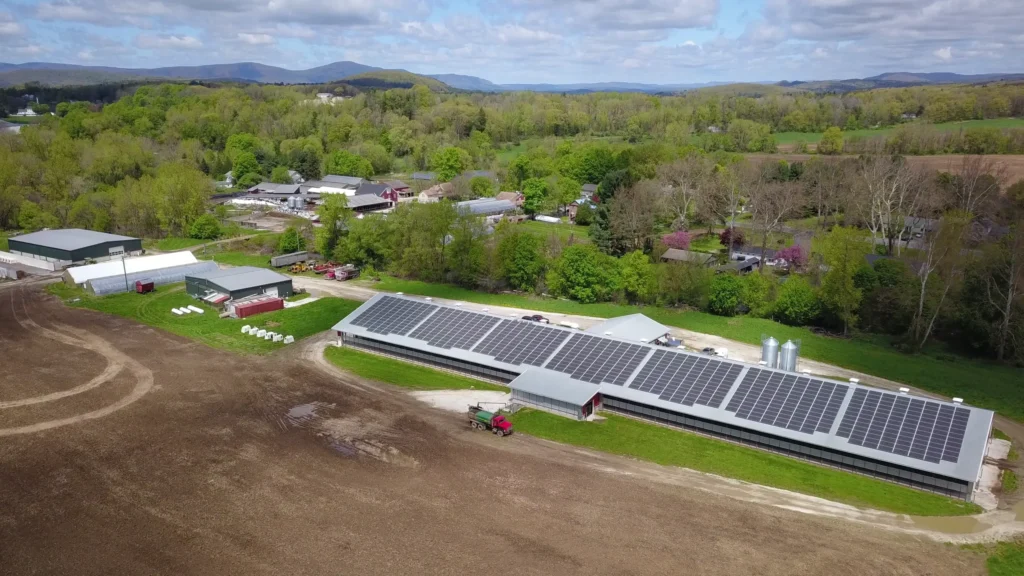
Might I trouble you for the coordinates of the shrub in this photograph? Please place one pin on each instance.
(735, 234)
(679, 240)
(205, 227)
(291, 241)
(798, 303)
(584, 215)
(724, 298)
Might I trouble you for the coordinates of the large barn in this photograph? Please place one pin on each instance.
(62, 248)
(235, 283)
(921, 442)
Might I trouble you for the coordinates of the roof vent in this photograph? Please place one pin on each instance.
(428, 298)
(904, 391)
(608, 333)
(487, 309)
(400, 293)
(458, 303)
(762, 363)
(958, 400)
(807, 372)
(854, 380)
(643, 339)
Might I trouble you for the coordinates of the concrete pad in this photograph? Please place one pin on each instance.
(984, 495)
(998, 449)
(461, 400)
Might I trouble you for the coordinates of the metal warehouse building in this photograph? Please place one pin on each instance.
(928, 444)
(238, 283)
(63, 248)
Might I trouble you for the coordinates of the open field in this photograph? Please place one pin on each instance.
(941, 162)
(564, 231)
(404, 374)
(629, 437)
(154, 309)
(220, 464)
(789, 138)
(171, 244)
(980, 383)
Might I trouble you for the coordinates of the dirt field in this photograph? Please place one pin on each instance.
(943, 162)
(167, 457)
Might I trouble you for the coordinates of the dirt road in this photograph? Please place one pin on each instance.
(269, 465)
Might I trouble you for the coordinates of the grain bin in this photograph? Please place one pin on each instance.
(788, 356)
(770, 352)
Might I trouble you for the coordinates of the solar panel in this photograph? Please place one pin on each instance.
(521, 342)
(391, 315)
(905, 426)
(452, 328)
(686, 379)
(789, 401)
(597, 360)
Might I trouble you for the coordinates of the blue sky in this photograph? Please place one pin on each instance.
(517, 41)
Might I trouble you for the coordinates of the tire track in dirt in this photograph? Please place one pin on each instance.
(116, 361)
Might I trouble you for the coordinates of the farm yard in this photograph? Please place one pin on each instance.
(317, 454)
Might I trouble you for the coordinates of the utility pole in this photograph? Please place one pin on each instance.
(124, 267)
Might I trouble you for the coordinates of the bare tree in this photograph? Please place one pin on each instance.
(891, 191)
(943, 261)
(1004, 281)
(771, 203)
(633, 213)
(722, 201)
(978, 180)
(687, 182)
(827, 179)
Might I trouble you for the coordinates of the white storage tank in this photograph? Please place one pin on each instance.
(770, 352)
(788, 356)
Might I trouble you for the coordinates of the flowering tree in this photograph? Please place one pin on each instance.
(735, 234)
(679, 239)
(794, 255)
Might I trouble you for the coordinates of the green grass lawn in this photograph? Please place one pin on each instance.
(297, 297)
(709, 244)
(563, 231)
(26, 119)
(661, 445)
(154, 309)
(391, 371)
(980, 383)
(999, 434)
(171, 244)
(783, 138)
(1006, 559)
(235, 258)
(1009, 481)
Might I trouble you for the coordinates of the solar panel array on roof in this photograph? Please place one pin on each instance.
(392, 315)
(521, 342)
(788, 401)
(451, 328)
(685, 379)
(905, 426)
(597, 360)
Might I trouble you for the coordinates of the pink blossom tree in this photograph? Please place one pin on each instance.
(794, 255)
(679, 240)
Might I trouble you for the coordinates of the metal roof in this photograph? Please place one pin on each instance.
(968, 466)
(83, 274)
(424, 176)
(364, 200)
(336, 179)
(69, 238)
(557, 386)
(242, 277)
(485, 206)
(687, 256)
(635, 327)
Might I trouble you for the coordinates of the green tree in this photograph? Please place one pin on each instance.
(639, 282)
(449, 162)
(844, 249)
(567, 190)
(483, 187)
(180, 193)
(584, 214)
(305, 162)
(520, 259)
(535, 192)
(725, 294)
(798, 304)
(291, 241)
(612, 183)
(205, 227)
(424, 231)
(332, 213)
(280, 175)
(584, 274)
(32, 217)
(367, 242)
(831, 141)
(345, 163)
(378, 157)
(759, 293)
(241, 142)
(466, 250)
(245, 168)
(41, 108)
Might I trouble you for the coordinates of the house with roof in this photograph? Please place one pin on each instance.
(403, 189)
(25, 113)
(588, 190)
(516, 198)
(437, 192)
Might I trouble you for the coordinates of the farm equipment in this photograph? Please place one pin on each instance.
(323, 268)
(299, 268)
(481, 419)
(346, 272)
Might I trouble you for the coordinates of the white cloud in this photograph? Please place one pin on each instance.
(944, 53)
(167, 42)
(255, 39)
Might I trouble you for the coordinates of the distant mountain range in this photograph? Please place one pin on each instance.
(67, 74)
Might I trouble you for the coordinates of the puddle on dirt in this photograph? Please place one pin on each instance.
(352, 436)
(950, 525)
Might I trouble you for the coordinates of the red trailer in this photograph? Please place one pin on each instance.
(258, 305)
(144, 286)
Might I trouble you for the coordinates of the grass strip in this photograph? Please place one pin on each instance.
(154, 309)
(1010, 483)
(665, 446)
(983, 384)
(404, 374)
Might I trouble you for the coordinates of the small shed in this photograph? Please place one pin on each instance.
(636, 327)
(238, 283)
(556, 393)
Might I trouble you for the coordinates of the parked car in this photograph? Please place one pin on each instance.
(537, 318)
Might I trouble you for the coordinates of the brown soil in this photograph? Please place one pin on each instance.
(223, 464)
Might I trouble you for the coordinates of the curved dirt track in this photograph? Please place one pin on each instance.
(267, 465)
